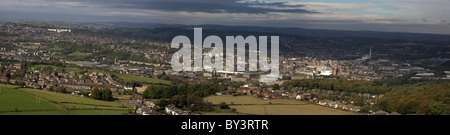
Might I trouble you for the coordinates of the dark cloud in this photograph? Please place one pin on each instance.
(207, 6)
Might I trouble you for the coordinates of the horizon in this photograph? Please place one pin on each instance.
(405, 16)
(168, 25)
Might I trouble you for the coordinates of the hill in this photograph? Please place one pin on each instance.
(26, 101)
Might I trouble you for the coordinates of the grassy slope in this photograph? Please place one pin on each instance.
(54, 103)
(10, 99)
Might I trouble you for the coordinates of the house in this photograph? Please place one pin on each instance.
(306, 96)
(230, 91)
(220, 93)
(355, 108)
(172, 110)
(276, 96)
(324, 102)
(137, 98)
(256, 91)
(150, 103)
(244, 90)
(128, 87)
(347, 107)
(238, 79)
(207, 74)
(266, 94)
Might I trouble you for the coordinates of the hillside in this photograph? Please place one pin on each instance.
(26, 101)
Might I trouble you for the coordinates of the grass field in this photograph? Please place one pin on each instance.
(122, 98)
(251, 105)
(11, 99)
(38, 102)
(79, 54)
(54, 47)
(44, 66)
(141, 79)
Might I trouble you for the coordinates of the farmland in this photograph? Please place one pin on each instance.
(250, 105)
(25, 101)
(141, 79)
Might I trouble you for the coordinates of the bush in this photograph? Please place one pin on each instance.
(224, 105)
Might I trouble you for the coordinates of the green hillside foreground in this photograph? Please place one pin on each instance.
(26, 101)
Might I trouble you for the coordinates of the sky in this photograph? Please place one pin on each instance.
(417, 16)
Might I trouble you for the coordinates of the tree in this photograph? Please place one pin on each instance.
(276, 87)
(2, 68)
(148, 93)
(22, 84)
(161, 103)
(62, 89)
(107, 94)
(224, 105)
(96, 94)
(365, 108)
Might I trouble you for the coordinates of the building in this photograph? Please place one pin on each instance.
(238, 79)
(172, 110)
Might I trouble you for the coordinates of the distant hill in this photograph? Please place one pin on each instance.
(281, 30)
(337, 33)
(288, 30)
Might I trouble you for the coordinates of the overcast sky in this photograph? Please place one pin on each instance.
(420, 16)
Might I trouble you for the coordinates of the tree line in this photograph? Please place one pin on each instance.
(402, 95)
(427, 98)
(102, 94)
(200, 89)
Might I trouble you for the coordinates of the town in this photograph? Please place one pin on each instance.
(75, 59)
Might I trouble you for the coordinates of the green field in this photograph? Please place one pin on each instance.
(79, 54)
(26, 101)
(55, 47)
(122, 97)
(44, 66)
(141, 79)
(250, 105)
(11, 99)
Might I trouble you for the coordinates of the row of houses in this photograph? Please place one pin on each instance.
(44, 78)
(172, 110)
(339, 105)
(253, 91)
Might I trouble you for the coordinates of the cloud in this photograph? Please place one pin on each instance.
(206, 6)
(431, 14)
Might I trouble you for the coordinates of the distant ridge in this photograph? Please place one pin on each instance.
(280, 30)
